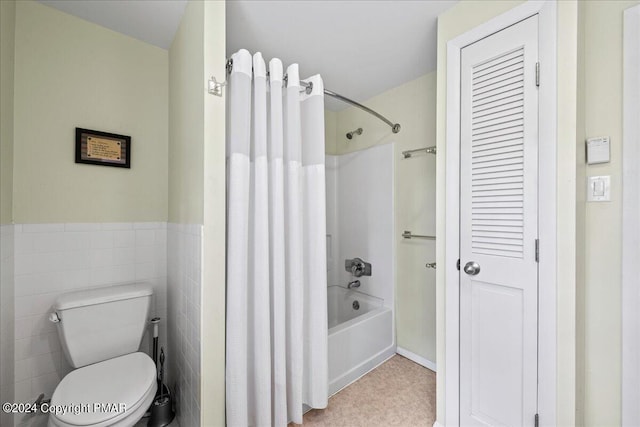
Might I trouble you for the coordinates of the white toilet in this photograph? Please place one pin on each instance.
(100, 330)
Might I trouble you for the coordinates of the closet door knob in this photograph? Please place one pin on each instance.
(472, 268)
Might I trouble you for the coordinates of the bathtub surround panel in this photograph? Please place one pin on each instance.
(364, 200)
(184, 282)
(51, 259)
(334, 263)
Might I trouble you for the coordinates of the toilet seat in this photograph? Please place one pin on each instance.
(129, 380)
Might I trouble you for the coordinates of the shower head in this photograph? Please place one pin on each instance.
(354, 132)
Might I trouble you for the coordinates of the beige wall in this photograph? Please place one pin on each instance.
(214, 243)
(601, 90)
(7, 26)
(197, 179)
(330, 123)
(413, 106)
(580, 225)
(566, 339)
(71, 73)
(455, 21)
(186, 119)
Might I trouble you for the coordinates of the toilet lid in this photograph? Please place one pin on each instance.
(104, 390)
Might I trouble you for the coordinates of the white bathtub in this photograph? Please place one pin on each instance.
(359, 339)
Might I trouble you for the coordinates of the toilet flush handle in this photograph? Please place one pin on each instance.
(53, 317)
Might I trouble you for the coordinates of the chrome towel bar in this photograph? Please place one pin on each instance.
(409, 153)
(409, 235)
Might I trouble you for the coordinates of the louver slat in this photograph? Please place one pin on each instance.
(493, 148)
(497, 178)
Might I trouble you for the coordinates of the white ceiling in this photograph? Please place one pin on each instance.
(360, 47)
(152, 21)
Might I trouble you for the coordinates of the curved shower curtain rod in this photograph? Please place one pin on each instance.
(395, 127)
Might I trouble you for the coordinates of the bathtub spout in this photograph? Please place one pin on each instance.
(354, 284)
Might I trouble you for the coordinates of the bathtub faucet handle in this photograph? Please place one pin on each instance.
(357, 267)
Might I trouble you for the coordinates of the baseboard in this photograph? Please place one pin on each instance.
(415, 358)
(437, 424)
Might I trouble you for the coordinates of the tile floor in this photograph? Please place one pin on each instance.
(397, 393)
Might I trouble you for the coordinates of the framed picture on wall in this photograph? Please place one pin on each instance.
(103, 148)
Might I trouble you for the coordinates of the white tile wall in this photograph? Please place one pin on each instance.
(183, 290)
(51, 259)
(6, 320)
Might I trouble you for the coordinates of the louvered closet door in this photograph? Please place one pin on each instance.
(498, 228)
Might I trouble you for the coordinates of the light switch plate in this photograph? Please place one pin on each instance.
(598, 150)
(599, 188)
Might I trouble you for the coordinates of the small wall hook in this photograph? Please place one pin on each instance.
(215, 87)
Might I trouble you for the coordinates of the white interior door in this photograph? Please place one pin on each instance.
(499, 228)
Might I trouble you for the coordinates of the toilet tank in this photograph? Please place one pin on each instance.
(102, 323)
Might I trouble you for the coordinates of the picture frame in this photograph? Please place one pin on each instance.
(103, 148)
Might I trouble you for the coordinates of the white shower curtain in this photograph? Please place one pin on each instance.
(276, 245)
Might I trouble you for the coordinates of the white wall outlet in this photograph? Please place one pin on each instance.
(598, 150)
(599, 188)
